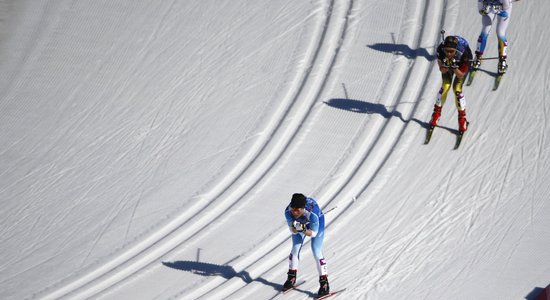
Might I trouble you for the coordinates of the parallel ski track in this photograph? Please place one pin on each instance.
(251, 169)
(368, 170)
(363, 169)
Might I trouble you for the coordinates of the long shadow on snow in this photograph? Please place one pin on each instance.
(225, 271)
(364, 107)
(402, 49)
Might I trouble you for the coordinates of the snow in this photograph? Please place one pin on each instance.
(149, 148)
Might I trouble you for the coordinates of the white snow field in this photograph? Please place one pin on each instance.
(149, 148)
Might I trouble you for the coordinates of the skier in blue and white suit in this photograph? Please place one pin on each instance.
(489, 10)
(305, 218)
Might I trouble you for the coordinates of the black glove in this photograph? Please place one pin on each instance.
(451, 63)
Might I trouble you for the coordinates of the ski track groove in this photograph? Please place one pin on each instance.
(166, 238)
(353, 175)
(377, 178)
(102, 276)
(274, 244)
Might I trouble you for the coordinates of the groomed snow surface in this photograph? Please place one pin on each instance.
(149, 148)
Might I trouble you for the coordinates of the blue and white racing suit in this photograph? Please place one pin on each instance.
(315, 220)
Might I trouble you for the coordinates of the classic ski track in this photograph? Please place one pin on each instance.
(328, 48)
(152, 245)
(369, 167)
(433, 23)
(176, 232)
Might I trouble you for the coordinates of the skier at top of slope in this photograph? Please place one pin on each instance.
(305, 218)
(488, 9)
(453, 58)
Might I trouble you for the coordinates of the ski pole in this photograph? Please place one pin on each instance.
(329, 210)
(489, 58)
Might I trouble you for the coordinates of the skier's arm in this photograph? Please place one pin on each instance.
(458, 73)
(313, 226)
(289, 222)
(464, 64)
(462, 68)
(481, 7)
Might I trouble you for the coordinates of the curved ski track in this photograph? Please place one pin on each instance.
(366, 170)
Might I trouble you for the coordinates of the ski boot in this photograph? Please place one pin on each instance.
(436, 115)
(462, 122)
(323, 288)
(290, 281)
(502, 65)
(477, 61)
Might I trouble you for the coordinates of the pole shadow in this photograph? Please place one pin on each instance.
(225, 271)
(403, 50)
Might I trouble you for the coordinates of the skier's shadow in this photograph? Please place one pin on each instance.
(402, 49)
(363, 107)
(225, 271)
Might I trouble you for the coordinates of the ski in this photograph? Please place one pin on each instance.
(497, 81)
(429, 134)
(330, 294)
(459, 137)
(471, 77)
(292, 288)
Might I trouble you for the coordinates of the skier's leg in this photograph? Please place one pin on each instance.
(445, 86)
(460, 102)
(294, 257)
(502, 25)
(441, 97)
(293, 260)
(317, 248)
(486, 23)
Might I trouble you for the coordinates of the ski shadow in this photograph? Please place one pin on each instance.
(534, 294)
(490, 73)
(225, 271)
(451, 130)
(363, 107)
(403, 50)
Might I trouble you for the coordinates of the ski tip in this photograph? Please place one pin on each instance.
(471, 78)
(498, 79)
(429, 135)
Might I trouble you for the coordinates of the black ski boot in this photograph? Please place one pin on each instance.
(323, 288)
(502, 65)
(290, 281)
(477, 61)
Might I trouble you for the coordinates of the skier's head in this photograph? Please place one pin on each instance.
(298, 201)
(450, 45)
(450, 42)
